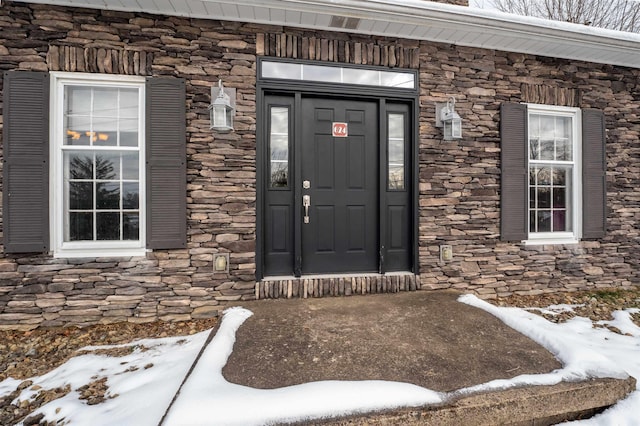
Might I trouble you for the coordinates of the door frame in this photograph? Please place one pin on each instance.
(296, 90)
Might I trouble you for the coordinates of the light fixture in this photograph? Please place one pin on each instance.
(222, 109)
(221, 262)
(446, 253)
(449, 120)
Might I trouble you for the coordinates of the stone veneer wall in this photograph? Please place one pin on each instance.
(167, 284)
(459, 180)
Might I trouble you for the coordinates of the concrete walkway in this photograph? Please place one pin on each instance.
(425, 338)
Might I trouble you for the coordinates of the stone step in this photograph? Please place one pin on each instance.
(531, 405)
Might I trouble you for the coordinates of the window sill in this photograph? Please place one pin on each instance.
(80, 253)
(551, 242)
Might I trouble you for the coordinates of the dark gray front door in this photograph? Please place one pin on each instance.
(359, 186)
(340, 178)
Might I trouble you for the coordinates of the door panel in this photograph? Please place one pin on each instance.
(356, 226)
(397, 225)
(323, 161)
(279, 232)
(341, 235)
(357, 170)
(324, 229)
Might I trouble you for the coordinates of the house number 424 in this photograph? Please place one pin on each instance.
(340, 130)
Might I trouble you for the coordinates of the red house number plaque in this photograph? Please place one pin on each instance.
(340, 130)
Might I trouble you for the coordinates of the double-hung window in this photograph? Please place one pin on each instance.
(554, 173)
(553, 179)
(97, 147)
(94, 164)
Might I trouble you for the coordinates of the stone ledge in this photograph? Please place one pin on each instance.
(532, 405)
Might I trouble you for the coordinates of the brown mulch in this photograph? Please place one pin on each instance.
(24, 354)
(597, 305)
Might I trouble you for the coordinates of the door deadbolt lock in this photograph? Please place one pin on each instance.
(306, 184)
(306, 202)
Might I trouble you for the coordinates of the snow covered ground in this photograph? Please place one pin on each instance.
(584, 351)
(143, 382)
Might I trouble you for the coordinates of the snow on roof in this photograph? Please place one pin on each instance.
(411, 19)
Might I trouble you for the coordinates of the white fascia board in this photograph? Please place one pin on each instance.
(464, 26)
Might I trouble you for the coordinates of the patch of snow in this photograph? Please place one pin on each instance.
(573, 343)
(9, 385)
(144, 381)
(585, 352)
(623, 322)
(555, 309)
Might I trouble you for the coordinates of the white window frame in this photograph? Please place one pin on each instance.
(569, 237)
(56, 183)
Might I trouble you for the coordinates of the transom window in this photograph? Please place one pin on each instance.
(337, 74)
(98, 139)
(553, 172)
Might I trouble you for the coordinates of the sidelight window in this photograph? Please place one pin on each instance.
(395, 151)
(279, 147)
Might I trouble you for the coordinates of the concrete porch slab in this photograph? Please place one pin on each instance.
(425, 338)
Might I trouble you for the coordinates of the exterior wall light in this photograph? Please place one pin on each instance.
(221, 263)
(449, 120)
(222, 109)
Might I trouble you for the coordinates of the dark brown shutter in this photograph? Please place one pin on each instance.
(26, 162)
(513, 196)
(166, 163)
(594, 179)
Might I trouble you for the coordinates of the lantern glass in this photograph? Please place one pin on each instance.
(221, 117)
(447, 130)
(452, 124)
(229, 117)
(456, 128)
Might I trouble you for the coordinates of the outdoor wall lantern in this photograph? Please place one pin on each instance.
(222, 109)
(449, 120)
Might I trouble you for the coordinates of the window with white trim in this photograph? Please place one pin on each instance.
(97, 135)
(554, 174)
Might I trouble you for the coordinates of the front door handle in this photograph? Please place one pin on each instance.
(306, 202)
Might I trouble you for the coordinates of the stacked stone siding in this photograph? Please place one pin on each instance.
(347, 285)
(168, 284)
(459, 180)
(363, 50)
